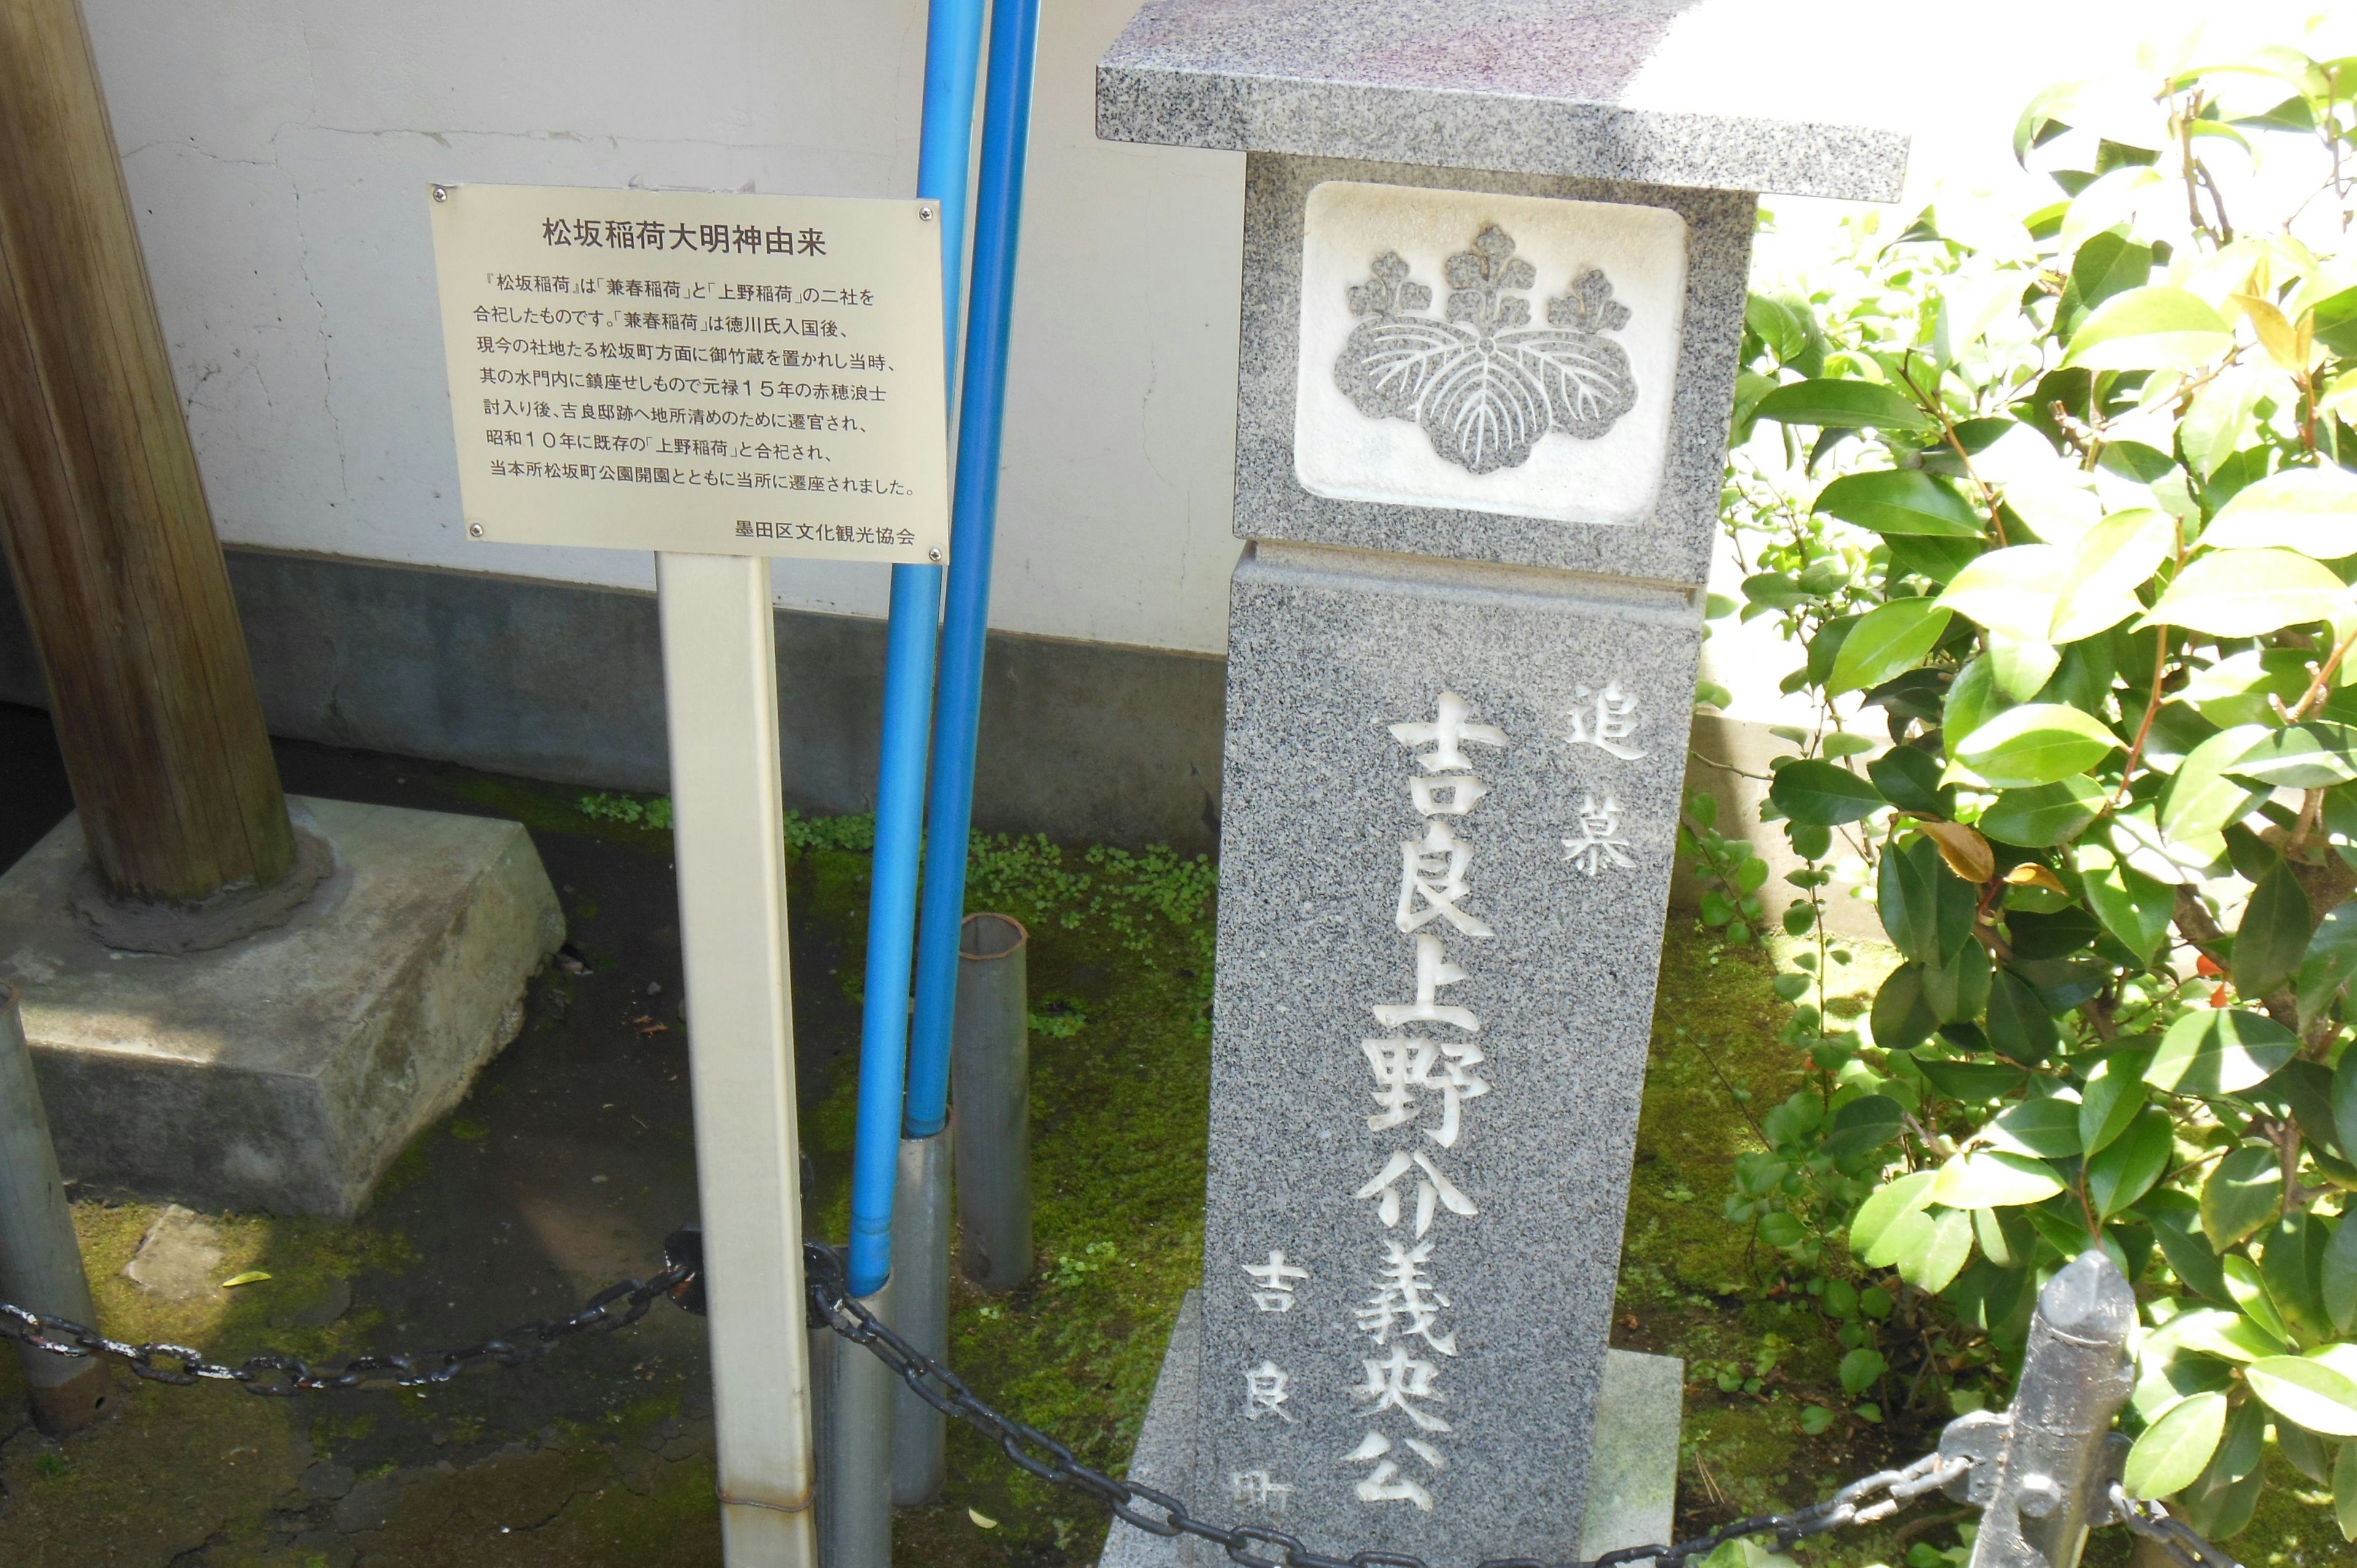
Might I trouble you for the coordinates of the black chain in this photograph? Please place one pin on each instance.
(1039, 1455)
(614, 1308)
(2154, 1522)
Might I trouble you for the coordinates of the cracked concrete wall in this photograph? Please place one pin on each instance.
(278, 153)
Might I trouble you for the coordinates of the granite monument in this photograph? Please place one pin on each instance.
(1490, 334)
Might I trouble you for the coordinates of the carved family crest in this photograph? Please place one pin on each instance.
(1484, 383)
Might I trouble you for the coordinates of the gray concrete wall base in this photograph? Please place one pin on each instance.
(286, 1070)
(1079, 740)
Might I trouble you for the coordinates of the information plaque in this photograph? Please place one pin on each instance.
(727, 374)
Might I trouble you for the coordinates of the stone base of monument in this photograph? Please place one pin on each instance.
(286, 1070)
(1632, 1465)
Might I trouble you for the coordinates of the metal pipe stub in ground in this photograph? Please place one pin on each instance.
(920, 1312)
(855, 1511)
(40, 1260)
(990, 1064)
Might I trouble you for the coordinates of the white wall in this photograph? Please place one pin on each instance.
(278, 152)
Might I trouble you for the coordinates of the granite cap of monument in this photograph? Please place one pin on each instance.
(1522, 86)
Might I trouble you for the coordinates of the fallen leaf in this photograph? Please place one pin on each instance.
(982, 1518)
(250, 1277)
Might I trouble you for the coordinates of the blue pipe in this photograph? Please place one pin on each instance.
(1005, 131)
(952, 48)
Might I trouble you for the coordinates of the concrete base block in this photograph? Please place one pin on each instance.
(1632, 1468)
(284, 1071)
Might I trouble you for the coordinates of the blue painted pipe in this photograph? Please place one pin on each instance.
(952, 51)
(1005, 132)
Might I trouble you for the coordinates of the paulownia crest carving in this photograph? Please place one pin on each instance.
(1484, 384)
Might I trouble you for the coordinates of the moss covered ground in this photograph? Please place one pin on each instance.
(573, 1156)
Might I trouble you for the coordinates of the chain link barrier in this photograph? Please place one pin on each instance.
(270, 1373)
(1869, 1500)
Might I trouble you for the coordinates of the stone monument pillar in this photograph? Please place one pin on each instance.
(1490, 337)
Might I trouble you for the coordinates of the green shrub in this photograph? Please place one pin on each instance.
(2068, 515)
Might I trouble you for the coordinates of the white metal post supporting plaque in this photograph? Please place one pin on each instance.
(721, 378)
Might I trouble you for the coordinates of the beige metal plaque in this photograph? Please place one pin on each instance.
(727, 374)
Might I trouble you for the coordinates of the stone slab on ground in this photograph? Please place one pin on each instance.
(286, 1070)
(1632, 1478)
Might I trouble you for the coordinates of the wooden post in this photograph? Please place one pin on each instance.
(101, 511)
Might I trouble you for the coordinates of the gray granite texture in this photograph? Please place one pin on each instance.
(1329, 1072)
(1673, 546)
(1537, 86)
(1630, 1501)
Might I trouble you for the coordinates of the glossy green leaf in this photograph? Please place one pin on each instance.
(1938, 1253)
(2125, 1170)
(1901, 1018)
(2012, 591)
(2117, 556)
(2174, 1451)
(2135, 907)
(2045, 1129)
(2037, 742)
(2345, 1102)
(2250, 1294)
(1883, 1211)
(2312, 511)
(2309, 1392)
(2312, 756)
(1926, 908)
(1863, 1124)
(1822, 794)
(1909, 779)
(2243, 1192)
(1971, 1083)
(2244, 688)
(2018, 1024)
(2272, 939)
(2249, 593)
(1843, 405)
(2114, 1094)
(2325, 970)
(2344, 1491)
(1860, 1369)
(2201, 799)
(2213, 1331)
(2337, 1275)
(1905, 502)
(1958, 989)
(1889, 640)
(2176, 1222)
(2152, 328)
(1986, 1179)
(2215, 1050)
(2291, 1266)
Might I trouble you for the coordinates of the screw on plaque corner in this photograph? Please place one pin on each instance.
(924, 212)
(935, 555)
(441, 193)
(476, 528)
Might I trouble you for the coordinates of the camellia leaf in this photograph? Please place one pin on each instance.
(2345, 1102)
(2125, 1170)
(1963, 850)
(2312, 756)
(2114, 1094)
(2173, 1451)
(1988, 1179)
(2273, 936)
(2115, 559)
(2249, 593)
(1909, 779)
(1843, 405)
(1901, 1018)
(2325, 971)
(2012, 591)
(2201, 799)
(2213, 1331)
(2018, 1024)
(2045, 816)
(2176, 1222)
(1822, 794)
(2337, 1277)
(2318, 1396)
(2037, 743)
(2344, 1491)
(2214, 1050)
(2312, 511)
(1900, 500)
(2154, 328)
(1888, 641)
(1865, 1123)
(2135, 907)
(1935, 1257)
(1882, 1213)
(2044, 1129)
(1974, 1083)
(2243, 1192)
